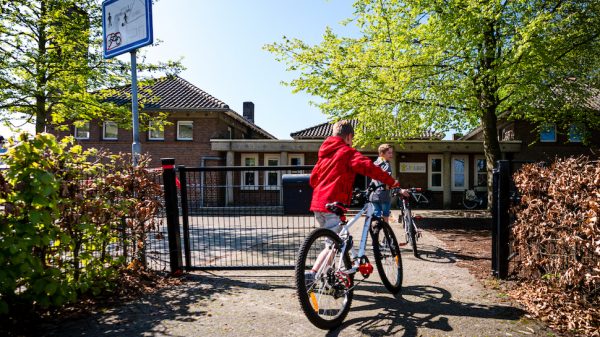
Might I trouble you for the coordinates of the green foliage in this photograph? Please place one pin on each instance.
(64, 209)
(52, 68)
(443, 65)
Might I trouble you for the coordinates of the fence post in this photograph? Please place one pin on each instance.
(495, 176)
(185, 215)
(170, 187)
(502, 218)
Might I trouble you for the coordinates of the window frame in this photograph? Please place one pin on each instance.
(465, 159)
(244, 187)
(278, 172)
(476, 172)
(296, 156)
(104, 125)
(161, 128)
(76, 129)
(180, 123)
(542, 140)
(430, 172)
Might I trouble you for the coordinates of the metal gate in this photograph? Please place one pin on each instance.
(234, 217)
(505, 195)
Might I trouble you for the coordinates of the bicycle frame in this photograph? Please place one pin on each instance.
(367, 210)
(406, 209)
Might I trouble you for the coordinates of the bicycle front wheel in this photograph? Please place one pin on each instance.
(387, 256)
(412, 235)
(326, 296)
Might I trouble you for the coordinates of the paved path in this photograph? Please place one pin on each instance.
(438, 299)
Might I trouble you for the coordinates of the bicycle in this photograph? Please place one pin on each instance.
(471, 199)
(326, 300)
(419, 198)
(412, 232)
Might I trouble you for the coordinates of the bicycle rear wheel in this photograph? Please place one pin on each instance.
(470, 202)
(326, 300)
(387, 256)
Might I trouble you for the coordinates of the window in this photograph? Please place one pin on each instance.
(249, 178)
(548, 133)
(296, 160)
(185, 130)
(156, 131)
(230, 132)
(434, 179)
(82, 131)
(272, 177)
(576, 133)
(459, 173)
(480, 172)
(110, 131)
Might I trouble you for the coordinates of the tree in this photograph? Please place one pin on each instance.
(453, 64)
(51, 64)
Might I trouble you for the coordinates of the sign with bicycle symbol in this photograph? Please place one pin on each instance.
(127, 25)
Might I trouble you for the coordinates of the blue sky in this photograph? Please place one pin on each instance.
(221, 44)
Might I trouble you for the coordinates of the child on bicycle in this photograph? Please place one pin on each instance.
(381, 197)
(333, 176)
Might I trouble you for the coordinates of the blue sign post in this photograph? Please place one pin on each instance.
(127, 26)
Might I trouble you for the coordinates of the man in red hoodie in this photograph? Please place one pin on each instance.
(333, 176)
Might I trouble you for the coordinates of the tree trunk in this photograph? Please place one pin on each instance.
(488, 101)
(40, 114)
(491, 147)
(41, 69)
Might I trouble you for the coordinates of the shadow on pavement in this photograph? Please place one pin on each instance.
(180, 304)
(421, 306)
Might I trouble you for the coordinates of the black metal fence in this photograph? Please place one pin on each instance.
(156, 247)
(505, 195)
(236, 217)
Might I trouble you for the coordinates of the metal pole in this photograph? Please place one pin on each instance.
(495, 221)
(170, 190)
(502, 244)
(185, 216)
(136, 147)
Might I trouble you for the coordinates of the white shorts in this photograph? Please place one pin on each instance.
(329, 221)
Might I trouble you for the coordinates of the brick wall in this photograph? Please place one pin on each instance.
(206, 126)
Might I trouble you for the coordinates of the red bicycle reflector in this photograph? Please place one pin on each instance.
(365, 269)
(418, 217)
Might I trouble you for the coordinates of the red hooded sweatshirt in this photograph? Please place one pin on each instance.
(333, 176)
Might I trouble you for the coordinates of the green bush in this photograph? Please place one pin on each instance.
(66, 213)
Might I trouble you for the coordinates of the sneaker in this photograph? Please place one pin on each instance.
(309, 279)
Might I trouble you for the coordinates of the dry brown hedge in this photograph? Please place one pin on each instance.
(557, 240)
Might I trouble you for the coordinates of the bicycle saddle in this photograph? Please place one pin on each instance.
(337, 208)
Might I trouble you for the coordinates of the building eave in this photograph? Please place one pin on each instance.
(415, 146)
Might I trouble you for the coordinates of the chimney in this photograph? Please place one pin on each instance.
(249, 111)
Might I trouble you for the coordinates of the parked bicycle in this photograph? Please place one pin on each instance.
(419, 198)
(411, 231)
(471, 199)
(326, 298)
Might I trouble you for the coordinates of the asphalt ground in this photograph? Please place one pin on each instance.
(438, 299)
